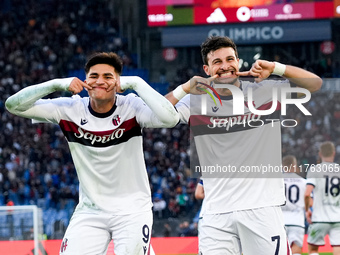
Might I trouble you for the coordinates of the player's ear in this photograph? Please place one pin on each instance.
(206, 69)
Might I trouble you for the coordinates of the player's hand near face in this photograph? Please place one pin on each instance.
(118, 87)
(261, 70)
(197, 84)
(77, 86)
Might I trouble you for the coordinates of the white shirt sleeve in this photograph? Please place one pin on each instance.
(183, 108)
(154, 110)
(28, 103)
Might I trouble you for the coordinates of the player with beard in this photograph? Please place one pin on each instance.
(242, 208)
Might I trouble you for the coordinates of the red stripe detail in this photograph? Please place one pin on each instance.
(268, 105)
(288, 248)
(215, 92)
(196, 120)
(69, 126)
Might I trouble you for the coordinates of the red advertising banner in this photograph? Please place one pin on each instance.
(200, 12)
(161, 246)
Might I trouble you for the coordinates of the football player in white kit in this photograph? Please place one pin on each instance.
(104, 133)
(324, 181)
(242, 210)
(294, 209)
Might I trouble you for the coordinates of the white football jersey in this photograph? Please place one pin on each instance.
(294, 210)
(106, 149)
(235, 149)
(325, 178)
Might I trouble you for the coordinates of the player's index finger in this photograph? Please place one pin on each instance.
(212, 78)
(245, 73)
(85, 85)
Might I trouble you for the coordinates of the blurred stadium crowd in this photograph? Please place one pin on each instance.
(49, 39)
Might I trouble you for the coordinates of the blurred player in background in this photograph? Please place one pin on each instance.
(199, 195)
(293, 211)
(104, 133)
(242, 211)
(324, 181)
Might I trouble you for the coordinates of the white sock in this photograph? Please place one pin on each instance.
(315, 253)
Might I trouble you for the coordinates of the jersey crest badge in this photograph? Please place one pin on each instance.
(116, 120)
(63, 245)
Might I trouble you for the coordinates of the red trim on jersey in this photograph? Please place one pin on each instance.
(69, 126)
(288, 249)
(74, 133)
(196, 120)
(269, 105)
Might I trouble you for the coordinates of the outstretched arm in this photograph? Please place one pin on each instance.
(261, 69)
(160, 106)
(23, 101)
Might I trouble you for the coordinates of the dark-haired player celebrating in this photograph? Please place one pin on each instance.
(104, 133)
(242, 209)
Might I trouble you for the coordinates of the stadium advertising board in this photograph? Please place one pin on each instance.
(246, 34)
(199, 12)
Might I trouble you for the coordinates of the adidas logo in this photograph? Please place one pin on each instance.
(216, 17)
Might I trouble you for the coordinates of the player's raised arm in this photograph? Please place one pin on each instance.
(261, 69)
(160, 106)
(21, 102)
(195, 85)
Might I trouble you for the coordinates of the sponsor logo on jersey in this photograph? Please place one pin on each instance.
(214, 108)
(203, 125)
(75, 133)
(115, 134)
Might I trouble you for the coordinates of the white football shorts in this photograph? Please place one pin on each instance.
(255, 231)
(295, 234)
(90, 232)
(318, 230)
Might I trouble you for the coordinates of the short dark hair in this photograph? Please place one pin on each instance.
(109, 58)
(214, 43)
